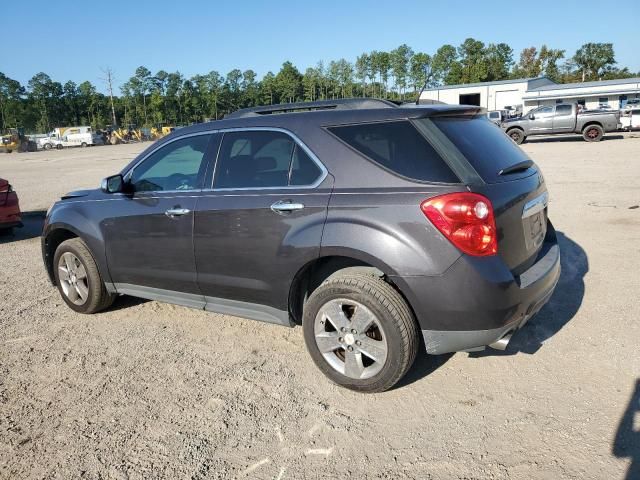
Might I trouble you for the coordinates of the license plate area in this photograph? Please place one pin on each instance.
(534, 221)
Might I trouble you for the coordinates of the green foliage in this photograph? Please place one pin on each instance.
(148, 99)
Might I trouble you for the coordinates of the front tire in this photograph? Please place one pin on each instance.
(47, 146)
(78, 279)
(360, 332)
(517, 135)
(593, 133)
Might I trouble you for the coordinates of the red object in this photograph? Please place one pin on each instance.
(466, 219)
(10, 215)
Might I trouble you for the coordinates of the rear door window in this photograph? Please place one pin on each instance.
(484, 146)
(399, 147)
(563, 110)
(263, 159)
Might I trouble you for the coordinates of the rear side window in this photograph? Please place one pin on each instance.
(485, 147)
(399, 147)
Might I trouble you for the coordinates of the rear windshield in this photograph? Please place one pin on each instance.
(399, 147)
(483, 144)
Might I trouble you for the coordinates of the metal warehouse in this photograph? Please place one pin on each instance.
(527, 93)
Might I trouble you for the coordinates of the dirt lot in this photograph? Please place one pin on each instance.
(149, 390)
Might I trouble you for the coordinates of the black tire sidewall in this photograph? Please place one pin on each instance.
(94, 283)
(330, 291)
(520, 135)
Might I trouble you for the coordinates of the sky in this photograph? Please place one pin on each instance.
(199, 36)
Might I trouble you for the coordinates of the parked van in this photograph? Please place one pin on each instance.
(68, 137)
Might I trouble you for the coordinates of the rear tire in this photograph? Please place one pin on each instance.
(84, 144)
(516, 135)
(59, 146)
(78, 279)
(593, 133)
(377, 356)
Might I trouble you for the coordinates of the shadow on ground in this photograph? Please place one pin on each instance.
(627, 441)
(562, 307)
(32, 227)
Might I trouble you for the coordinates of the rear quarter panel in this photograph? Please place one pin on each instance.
(386, 229)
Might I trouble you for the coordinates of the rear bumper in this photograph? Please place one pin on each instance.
(477, 301)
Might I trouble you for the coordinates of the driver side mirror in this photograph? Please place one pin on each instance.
(112, 184)
(532, 116)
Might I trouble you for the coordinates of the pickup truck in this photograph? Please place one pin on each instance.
(562, 119)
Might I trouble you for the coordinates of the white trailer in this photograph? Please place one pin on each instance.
(68, 137)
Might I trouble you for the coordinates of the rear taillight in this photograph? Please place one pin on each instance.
(466, 219)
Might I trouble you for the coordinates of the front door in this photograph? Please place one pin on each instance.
(149, 237)
(542, 121)
(262, 221)
(564, 119)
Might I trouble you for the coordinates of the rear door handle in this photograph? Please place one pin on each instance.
(177, 212)
(282, 206)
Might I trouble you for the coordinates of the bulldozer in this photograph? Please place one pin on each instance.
(15, 139)
(125, 135)
(160, 131)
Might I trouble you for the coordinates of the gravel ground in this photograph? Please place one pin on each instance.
(149, 390)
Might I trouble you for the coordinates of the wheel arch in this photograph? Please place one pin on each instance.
(311, 275)
(591, 123)
(55, 233)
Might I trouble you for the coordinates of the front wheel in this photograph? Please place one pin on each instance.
(83, 144)
(47, 146)
(517, 135)
(59, 146)
(360, 332)
(593, 133)
(78, 279)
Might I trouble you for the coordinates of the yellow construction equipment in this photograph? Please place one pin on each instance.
(160, 131)
(15, 139)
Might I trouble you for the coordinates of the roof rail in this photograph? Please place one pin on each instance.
(341, 104)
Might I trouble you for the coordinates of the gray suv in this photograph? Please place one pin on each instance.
(372, 225)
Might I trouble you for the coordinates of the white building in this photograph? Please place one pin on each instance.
(532, 92)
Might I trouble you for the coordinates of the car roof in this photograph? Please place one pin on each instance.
(291, 116)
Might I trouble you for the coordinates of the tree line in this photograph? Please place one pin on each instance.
(148, 99)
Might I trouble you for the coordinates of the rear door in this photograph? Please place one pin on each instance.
(262, 221)
(564, 119)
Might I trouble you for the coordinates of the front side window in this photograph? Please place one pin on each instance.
(263, 159)
(178, 165)
(543, 112)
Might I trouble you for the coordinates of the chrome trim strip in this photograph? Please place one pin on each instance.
(295, 138)
(536, 205)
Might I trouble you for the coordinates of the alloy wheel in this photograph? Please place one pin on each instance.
(350, 338)
(73, 278)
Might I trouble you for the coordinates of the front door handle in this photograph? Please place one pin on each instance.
(177, 212)
(283, 207)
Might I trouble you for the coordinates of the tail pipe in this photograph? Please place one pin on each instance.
(502, 343)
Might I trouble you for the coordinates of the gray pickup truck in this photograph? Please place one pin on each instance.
(563, 118)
